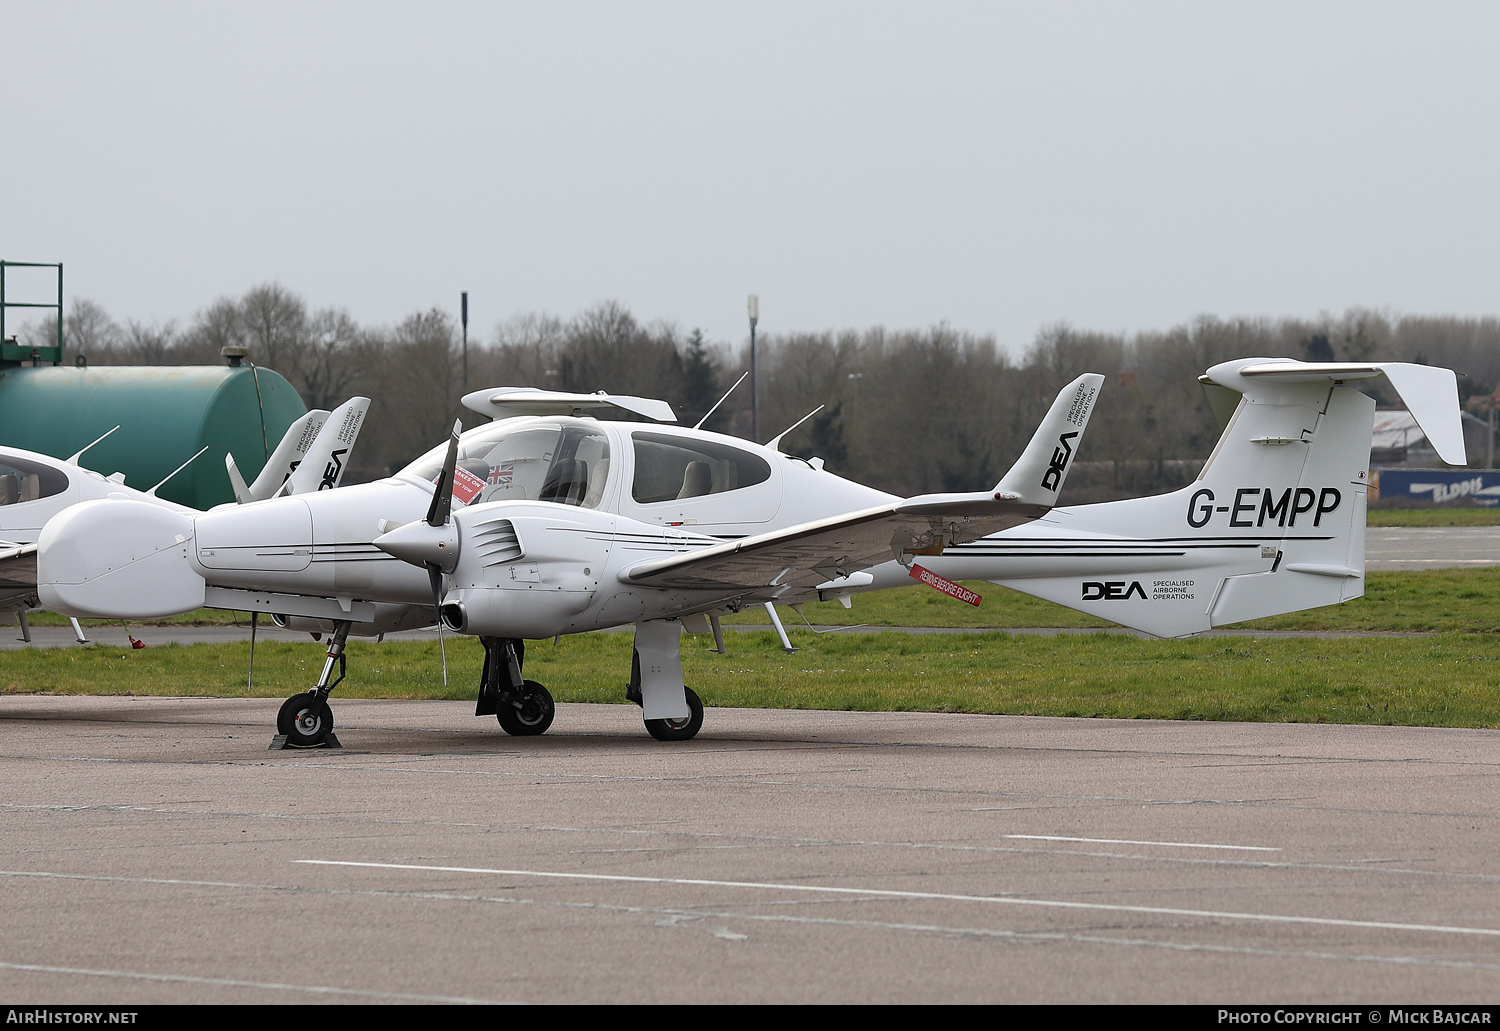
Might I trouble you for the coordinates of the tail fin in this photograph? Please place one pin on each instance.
(1274, 523)
(284, 461)
(322, 468)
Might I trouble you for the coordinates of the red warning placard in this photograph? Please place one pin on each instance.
(948, 587)
(466, 486)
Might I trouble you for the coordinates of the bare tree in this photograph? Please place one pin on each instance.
(149, 344)
(275, 325)
(334, 359)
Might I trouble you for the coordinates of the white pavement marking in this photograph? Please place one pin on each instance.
(1127, 841)
(682, 917)
(223, 982)
(1209, 914)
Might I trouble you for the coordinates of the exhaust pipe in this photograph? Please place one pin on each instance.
(454, 617)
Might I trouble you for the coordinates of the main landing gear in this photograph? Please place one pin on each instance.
(523, 707)
(683, 729)
(305, 720)
(680, 729)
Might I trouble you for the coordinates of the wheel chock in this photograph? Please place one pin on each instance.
(279, 742)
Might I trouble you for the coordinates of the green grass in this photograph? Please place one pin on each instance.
(1433, 517)
(1442, 680)
(1466, 600)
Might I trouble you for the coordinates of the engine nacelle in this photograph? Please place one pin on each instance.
(525, 570)
(502, 612)
(118, 559)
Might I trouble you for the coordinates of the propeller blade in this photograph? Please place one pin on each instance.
(435, 577)
(442, 497)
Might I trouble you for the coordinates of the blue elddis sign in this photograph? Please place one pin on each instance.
(1436, 486)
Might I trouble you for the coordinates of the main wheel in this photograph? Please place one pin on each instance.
(679, 730)
(305, 719)
(533, 716)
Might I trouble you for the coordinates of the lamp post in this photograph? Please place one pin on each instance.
(464, 318)
(754, 308)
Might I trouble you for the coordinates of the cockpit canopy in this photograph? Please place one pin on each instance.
(563, 460)
(22, 481)
(673, 468)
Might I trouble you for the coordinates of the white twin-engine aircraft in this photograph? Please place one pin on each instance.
(36, 487)
(544, 523)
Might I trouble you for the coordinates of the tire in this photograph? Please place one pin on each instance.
(305, 720)
(534, 715)
(679, 730)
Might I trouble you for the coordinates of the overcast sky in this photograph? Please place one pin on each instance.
(998, 166)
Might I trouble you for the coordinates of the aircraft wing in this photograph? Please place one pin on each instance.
(804, 556)
(812, 553)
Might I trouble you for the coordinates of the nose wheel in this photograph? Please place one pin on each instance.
(529, 714)
(305, 720)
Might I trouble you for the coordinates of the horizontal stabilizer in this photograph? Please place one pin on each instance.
(1429, 393)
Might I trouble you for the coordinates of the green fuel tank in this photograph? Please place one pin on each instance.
(165, 414)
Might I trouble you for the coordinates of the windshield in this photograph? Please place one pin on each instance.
(551, 461)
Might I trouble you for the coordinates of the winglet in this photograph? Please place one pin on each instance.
(1038, 475)
(241, 492)
(1034, 481)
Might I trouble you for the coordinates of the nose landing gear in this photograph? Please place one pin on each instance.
(305, 720)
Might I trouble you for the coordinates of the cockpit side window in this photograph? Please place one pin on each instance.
(566, 463)
(669, 468)
(22, 481)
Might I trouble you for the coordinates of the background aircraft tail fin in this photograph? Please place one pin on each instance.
(288, 455)
(326, 461)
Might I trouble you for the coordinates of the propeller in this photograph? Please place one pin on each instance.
(431, 542)
(437, 516)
